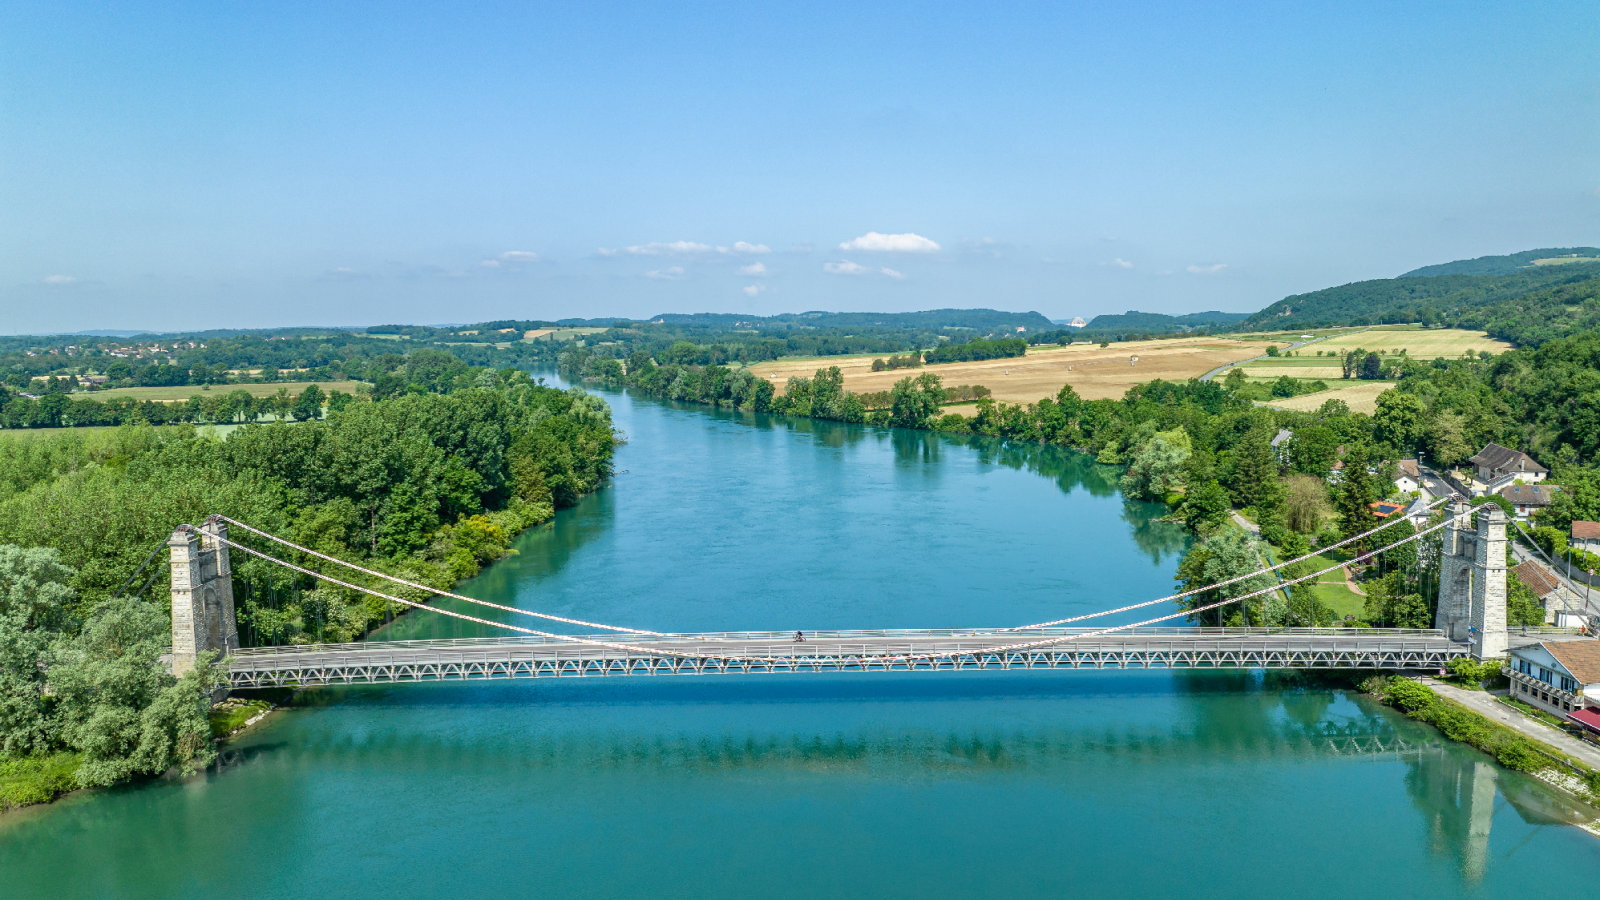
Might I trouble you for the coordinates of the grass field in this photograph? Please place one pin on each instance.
(1417, 342)
(81, 429)
(1563, 260)
(559, 334)
(1093, 372)
(1269, 372)
(1361, 397)
(1340, 599)
(1331, 589)
(178, 394)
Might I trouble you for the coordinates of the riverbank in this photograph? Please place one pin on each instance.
(1458, 715)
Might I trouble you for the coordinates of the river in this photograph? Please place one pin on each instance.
(897, 785)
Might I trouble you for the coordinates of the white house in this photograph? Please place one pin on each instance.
(1495, 466)
(1558, 676)
(1409, 477)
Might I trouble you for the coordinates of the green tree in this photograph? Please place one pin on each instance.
(35, 596)
(1255, 473)
(1358, 488)
(1157, 465)
(1208, 507)
(118, 705)
(1226, 554)
(1400, 421)
(309, 404)
(1446, 438)
(1522, 607)
(915, 401)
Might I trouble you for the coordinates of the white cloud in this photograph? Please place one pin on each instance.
(754, 289)
(754, 269)
(1206, 270)
(490, 264)
(517, 256)
(60, 279)
(670, 274)
(661, 248)
(657, 248)
(892, 273)
(1120, 263)
(844, 268)
(891, 243)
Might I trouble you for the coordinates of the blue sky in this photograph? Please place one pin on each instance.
(249, 164)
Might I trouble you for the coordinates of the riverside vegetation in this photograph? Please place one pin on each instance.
(1206, 450)
(429, 483)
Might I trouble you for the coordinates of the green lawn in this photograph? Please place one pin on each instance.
(184, 392)
(1340, 599)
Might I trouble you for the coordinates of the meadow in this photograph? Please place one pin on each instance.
(1418, 342)
(181, 393)
(1360, 396)
(1094, 372)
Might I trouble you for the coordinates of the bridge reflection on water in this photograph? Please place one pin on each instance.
(1218, 722)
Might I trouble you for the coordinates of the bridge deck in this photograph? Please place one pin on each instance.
(375, 662)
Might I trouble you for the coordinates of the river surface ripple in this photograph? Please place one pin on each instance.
(988, 784)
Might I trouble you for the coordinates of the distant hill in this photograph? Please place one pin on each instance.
(1160, 323)
(1506, 265)
(981, 320)
(1475, 301)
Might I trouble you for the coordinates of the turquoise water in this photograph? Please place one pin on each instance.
(900, 785)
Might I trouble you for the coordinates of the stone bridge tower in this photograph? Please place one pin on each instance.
(1472, 581)
(202, 595)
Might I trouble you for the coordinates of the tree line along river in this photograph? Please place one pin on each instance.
(898, 785)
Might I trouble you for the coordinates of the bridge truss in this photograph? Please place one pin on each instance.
(747, 653)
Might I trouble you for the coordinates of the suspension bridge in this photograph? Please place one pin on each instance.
(1470, 623)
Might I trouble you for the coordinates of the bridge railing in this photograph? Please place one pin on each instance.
(882, 640)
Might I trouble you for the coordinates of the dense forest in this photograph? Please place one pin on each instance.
(428, 482)
(1526, 307)
(1503, 265)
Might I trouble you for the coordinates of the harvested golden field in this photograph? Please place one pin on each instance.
(1094, 373)
(1361, 397)
(179, 394)
(1324, 372)
(1417, 342)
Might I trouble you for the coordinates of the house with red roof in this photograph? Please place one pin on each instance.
(1586, 536)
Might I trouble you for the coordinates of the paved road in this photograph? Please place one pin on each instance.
(1485, 703)
(1293, 345)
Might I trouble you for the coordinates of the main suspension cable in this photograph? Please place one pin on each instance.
(1210, 606)
(907, 657)
(1225, 583)
(640, 631)
(432, 590)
